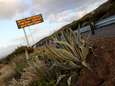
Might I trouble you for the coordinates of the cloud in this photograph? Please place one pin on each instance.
(69, 15)
(9, 8)
(56, 6)
(66, 16)
(6, 50)
(64, 10)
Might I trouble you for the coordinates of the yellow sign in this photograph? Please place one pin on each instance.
(22, 23)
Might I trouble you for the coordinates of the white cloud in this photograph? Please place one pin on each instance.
(64, 10)
(6, 50)
(66, 16)
(56, 6)
(53, 6)
(9, 8)
(70, 15)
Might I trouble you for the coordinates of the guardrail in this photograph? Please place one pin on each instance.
(99, 24)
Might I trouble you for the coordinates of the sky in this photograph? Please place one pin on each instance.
(56, 13)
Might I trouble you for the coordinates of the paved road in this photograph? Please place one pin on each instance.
(101, 23)
(108, 31)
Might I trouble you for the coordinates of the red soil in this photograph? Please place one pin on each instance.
(102, 63)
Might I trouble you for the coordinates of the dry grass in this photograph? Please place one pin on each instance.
(55, 64)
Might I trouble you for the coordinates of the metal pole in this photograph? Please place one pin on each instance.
(26, 37)
(31, 35)
(26, 51)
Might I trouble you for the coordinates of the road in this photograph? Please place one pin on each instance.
(99, 24)
(108, 31)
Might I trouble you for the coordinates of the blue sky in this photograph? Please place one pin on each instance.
(56, 13)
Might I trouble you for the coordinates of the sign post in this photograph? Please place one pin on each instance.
(31, 35)
(26, 37)
(22, 23)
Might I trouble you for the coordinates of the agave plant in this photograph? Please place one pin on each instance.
(67, 54)
(56, 64)
(68, 48)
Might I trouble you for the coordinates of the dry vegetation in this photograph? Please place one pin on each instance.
(57, 63)
(58, 60)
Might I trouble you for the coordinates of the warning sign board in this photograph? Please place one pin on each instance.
(22, 23)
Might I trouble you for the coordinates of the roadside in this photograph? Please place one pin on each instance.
(102, 63)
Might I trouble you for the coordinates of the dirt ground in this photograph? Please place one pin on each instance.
(102, 63)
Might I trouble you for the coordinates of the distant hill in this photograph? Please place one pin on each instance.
(103, 11)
